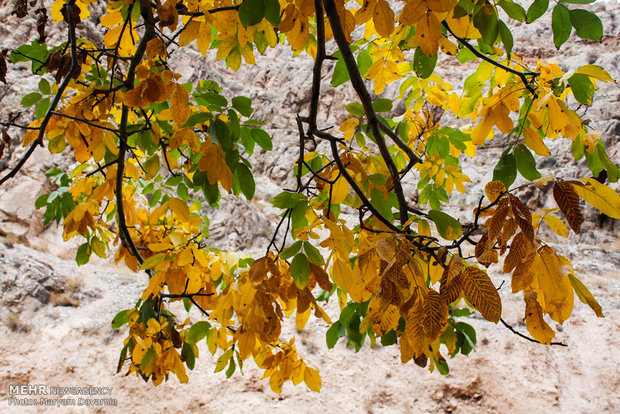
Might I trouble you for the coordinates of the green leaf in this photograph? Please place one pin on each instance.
(251, 12)
(333, 334)
(214, 99)
(469, 334)
(31, 99)
(272, 11)
(243, 105)
(246, 180)
(389, 338)
(120, 319)
(152, 261)
(291, 251)
(42, 108)
(582, 87)
(364, 60)
(513, 10)
(382, 105)
(188, 355)
(526, 164)
(231, 368)
(197, 331)
(537, 9)
(355, 109)
(587, 24)
(381, 204)
(577, 1)
(262, 138)
(44, 87)
(222, 134)
(197, 118)
(448, 226)
(487, 23)
(287, 199)
(423, 65)
(560, 23)
(341, 74)
(300, 270)
(41, 201)
(83, 254)
(506, 170)
(613, 173)
(313, 254)
(505, 36)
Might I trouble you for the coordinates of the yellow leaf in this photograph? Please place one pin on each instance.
(482, 131)
(595, 72)
(441, 5)
(179, 208)
(383, 18)
(312, 379)
(428, 32)
(585, 296)
(159, 247)
(435, 315)
(302, 318)
(556, 225)
(179, 105)
(601, 197)
(534, 141)
(366, 12)
(189, 33)
(340, 190)
(536, 325)
(413, 11)
(557, 292)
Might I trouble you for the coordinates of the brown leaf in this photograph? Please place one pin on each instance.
(496, 222)
(568, 201)
(435, 315)
(485, 253)
(481, 292)
(451, 285)
(258, 270)
(519, 248)
(523, 217)
(321, 277)
(524, 273)
(41, 23)
(494, 190)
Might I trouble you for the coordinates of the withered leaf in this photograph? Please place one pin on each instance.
(479, 290)
(523, 216)
(568, 201)
(435, 314)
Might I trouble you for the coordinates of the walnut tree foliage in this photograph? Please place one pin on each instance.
(149, 148)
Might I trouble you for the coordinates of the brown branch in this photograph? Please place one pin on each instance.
(353, 183)
(514, 331)
(126, 240)
(522, 75)
(373, 121)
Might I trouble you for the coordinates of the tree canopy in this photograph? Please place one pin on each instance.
(152, 151)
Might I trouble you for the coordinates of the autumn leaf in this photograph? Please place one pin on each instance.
(428, 32)
(481, 292)
(536, 325)
(599, 196)
(568, 201)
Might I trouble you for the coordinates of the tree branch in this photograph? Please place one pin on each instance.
(522, 75)
(373, 121)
